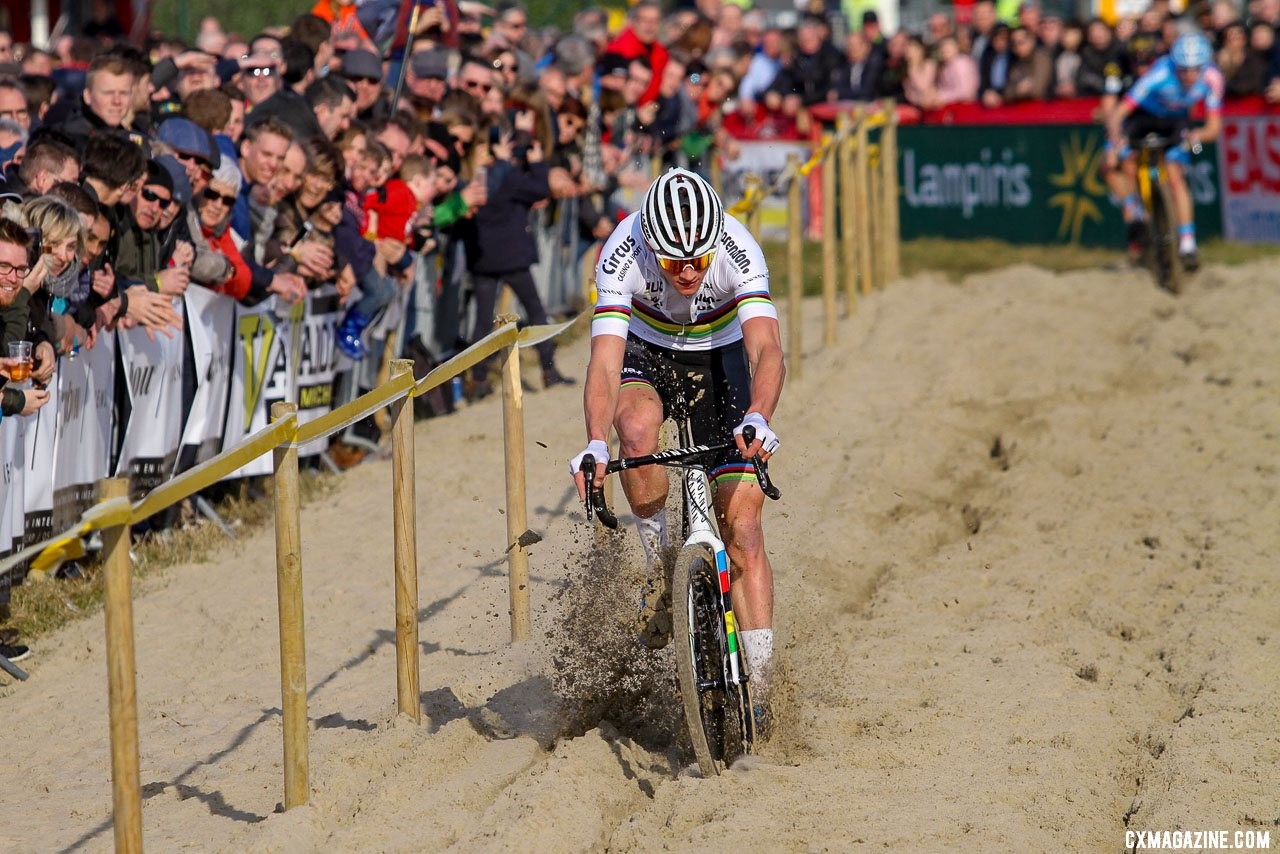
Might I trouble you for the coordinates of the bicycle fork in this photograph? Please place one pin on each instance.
(701, 530)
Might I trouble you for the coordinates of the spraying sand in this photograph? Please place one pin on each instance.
(1025, 556)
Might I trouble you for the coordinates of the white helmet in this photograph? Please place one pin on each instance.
(682, 217)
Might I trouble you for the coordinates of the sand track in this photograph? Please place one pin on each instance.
(1023, 592)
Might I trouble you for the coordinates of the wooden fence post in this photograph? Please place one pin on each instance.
(122, 683)
(862, 198)
(753, 215)
(829, 283)
(405, 530)
(889, 185)
(517, 513)
(875, 216)
(848, 213)
(795, 266)
(293, 647)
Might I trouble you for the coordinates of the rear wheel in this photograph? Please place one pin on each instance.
(713, 709)
(1164, 242)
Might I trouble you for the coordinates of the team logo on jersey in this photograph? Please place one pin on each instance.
(611, 264)
(736, 254)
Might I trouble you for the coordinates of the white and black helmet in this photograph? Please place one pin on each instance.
(682, 216)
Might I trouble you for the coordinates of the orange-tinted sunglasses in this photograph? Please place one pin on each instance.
(676, 265)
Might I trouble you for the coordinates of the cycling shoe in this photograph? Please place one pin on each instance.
(1190, 260)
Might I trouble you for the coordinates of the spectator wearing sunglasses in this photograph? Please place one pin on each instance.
(139, 256)
(363, 72)
(213, 209)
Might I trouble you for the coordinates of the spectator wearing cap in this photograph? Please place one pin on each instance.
(640, 39)
(363, 72)
(260, 78)
(193, 146)
(425, 85)
(139, 257)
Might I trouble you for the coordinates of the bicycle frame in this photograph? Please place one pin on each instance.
(701, 526)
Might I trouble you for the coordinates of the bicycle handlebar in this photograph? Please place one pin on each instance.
(597, 506)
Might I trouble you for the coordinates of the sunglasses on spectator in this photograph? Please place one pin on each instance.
(192, 159)
(212, 195)
(499, 65)
(262, 72)
(677, 265)
(152, 196)
(477, 84)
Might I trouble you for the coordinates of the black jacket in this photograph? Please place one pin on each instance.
(811, 76)
(498, 237)
(867, 85)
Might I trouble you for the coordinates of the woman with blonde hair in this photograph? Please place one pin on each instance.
(54, 281)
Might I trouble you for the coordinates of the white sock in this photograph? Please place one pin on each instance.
(1186, 243)
(653, 536)
(757, 645)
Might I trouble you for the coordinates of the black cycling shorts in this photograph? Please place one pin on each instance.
(716, 385)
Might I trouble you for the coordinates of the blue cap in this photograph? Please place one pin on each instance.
(187, 137)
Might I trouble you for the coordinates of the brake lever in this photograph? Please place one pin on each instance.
(762, 468)
(595, 495)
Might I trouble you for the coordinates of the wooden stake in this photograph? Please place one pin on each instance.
(829, 283)
(293, 647)
(862, 198)
(876, 217)
(122, 682)
(795, 266)
(889, 233)
(405, 530)
(517, 513)
(848, 213)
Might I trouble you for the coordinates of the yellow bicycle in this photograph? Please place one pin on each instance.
(1161, 253)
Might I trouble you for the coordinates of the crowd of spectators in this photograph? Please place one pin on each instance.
(270, 165)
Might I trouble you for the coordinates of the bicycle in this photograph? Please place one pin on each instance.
(1161, 255)
(710, 667)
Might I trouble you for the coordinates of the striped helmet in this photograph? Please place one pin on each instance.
(682, 217)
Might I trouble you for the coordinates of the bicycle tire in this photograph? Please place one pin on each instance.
(711, 713)
(1164, 244)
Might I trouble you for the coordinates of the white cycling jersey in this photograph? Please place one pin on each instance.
(633, 297)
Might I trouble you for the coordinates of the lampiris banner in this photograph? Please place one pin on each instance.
(1023, 184)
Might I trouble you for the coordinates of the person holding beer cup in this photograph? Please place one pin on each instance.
(16, 355)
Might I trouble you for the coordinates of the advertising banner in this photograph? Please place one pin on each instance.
(1249, 151)
(313, 358)
(766, 159)
(259, 377)
(211, 327)
(153, 379)
(1023, 184)
(37, 486)
(86, 388)
(12, 469)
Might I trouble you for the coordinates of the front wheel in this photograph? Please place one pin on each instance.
(1164, 243)
(713, 708)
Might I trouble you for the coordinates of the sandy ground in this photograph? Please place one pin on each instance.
(1024, 602)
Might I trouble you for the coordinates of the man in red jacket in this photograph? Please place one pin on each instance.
(640, 38)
